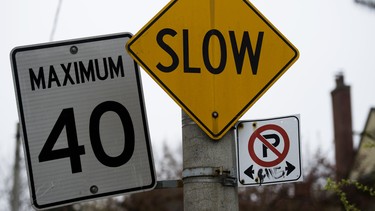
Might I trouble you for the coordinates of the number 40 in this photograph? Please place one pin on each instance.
(74, 151)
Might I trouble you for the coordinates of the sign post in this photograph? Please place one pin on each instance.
(209, 169)
(83, 120)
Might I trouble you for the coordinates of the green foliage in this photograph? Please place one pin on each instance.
(337, 187)
(369, 145)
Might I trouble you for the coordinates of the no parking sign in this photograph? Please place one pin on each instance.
(269, 151)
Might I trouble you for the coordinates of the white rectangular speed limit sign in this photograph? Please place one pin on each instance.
(83, 120)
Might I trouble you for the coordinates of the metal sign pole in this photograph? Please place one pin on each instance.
(209, 169)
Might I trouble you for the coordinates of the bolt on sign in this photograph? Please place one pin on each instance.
(214, 58)
(268, 151)
(83, 120)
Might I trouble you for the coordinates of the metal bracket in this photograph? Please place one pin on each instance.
(217, 172)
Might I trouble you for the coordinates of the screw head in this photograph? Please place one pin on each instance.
(240, 125)
(73, 49)
(94, 189)
(215, 114)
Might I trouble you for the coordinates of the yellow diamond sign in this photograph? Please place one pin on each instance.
(215, 58)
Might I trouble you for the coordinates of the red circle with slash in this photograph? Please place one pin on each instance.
(258, 136)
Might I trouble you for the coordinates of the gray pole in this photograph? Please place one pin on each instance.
(15, 201)
(209, 168)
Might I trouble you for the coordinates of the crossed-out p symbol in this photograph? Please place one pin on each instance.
(266, 145)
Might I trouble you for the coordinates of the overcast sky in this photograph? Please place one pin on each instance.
(332, 36)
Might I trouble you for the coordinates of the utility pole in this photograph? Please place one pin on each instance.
(209, 169)
(15, 199)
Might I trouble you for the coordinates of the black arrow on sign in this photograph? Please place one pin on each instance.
(289, 168)
(249, 172)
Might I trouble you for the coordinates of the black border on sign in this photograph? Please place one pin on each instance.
(238, 156)
(23, 125)
(180, 102)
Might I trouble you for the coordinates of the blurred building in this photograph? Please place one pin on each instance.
(364, 163)
(356, 165)
(342, 121)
